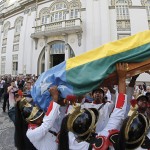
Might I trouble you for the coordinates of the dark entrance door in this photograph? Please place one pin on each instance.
(57, 59)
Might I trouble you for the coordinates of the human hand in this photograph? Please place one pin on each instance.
(54, 93)
(122, 69)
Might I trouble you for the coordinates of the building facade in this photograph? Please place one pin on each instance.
(36, 35)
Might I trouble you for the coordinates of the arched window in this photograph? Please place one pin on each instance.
(5, 33)
(58, 12)
(147, 5)
(18, 24)
(5, 29)
(74, 10)
(3, 62)
(122, 9)
(44, 16)
(123, 18)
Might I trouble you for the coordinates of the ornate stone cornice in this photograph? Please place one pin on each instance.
(113, 2)
(143, 2)
(20, 7)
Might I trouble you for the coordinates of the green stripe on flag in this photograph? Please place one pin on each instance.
(86, 77)
(109, 49)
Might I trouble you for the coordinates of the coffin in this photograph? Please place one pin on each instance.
(133, 69)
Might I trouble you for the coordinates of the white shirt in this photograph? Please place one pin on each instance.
(114, 122)
(104, 113)
(40, 137)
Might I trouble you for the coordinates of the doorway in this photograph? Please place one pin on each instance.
(57, 59)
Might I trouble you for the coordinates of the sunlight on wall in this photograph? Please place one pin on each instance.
(12, 1)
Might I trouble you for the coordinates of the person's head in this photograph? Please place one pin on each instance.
(32, 82)
(12, 83)
(82, 122)
(148, 95)
(17, 78)
(142, 102)
(28, 85)
(38, 121)
(133, 132)
(105, 90)
(98, 95)
(32, 114)
(148, 89)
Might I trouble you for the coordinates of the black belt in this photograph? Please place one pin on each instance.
(54, 133)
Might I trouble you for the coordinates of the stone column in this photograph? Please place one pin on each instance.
(66, 47)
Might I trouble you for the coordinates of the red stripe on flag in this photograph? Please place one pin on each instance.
(49, 108)
(120, 101)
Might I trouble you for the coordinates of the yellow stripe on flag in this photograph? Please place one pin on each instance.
(110, 49)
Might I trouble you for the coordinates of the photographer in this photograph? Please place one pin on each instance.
(11, 89)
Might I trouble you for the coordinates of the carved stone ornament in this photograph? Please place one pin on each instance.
(41, 44)
(72, 40)
(113, 2)
(79, 35)
(36, 43)
(143, 2)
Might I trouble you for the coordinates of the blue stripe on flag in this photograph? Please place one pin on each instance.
(54, 76)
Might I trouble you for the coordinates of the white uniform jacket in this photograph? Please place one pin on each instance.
(40, 136)
(104, 112)
(114, 123)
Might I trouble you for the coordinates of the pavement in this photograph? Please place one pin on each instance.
(6, 131)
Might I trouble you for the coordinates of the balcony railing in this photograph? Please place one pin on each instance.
(57, 28)
(123, 25)
(123, 17)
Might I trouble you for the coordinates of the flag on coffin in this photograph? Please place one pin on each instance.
(83, 73)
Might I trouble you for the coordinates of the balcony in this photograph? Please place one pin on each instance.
(123, 25)
(58, 28)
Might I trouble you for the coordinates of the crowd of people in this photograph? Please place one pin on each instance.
(9, 84)
(114, 117)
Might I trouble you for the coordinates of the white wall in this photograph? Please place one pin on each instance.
(138, 20)
(105, 22)
(28, 41)
(89, 25)
(9, 53)
(136, 2)
(113, 25)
